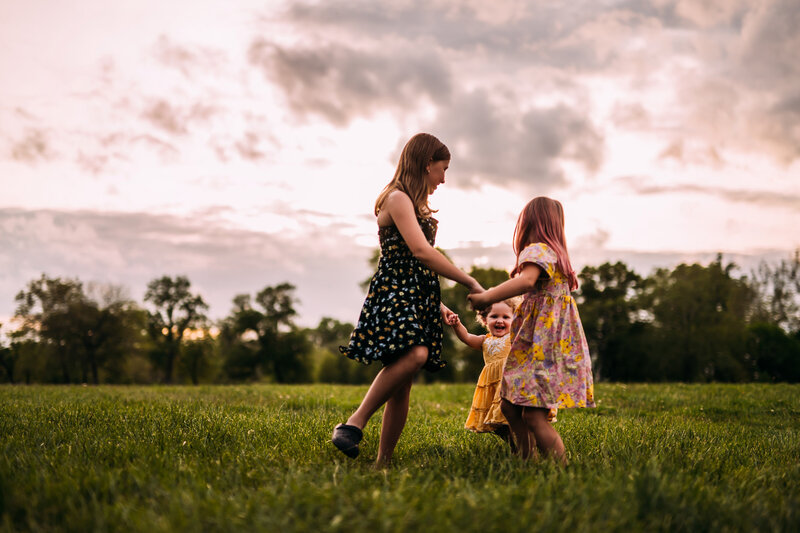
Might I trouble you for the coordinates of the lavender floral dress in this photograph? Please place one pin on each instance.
(549, 364)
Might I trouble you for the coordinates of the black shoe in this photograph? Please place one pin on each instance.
(346, 438)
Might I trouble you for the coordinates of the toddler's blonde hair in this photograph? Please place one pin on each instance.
(512, 303)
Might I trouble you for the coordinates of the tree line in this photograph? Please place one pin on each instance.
(693, 323)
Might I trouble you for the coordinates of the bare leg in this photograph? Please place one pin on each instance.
(547, 439)
(504, 432)
(388, 381)
(513, 414)
(394, 420)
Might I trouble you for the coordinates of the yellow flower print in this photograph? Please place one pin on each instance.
(566, 400)
(538, 353)
(590, 393)
(548, 320)
(531, 398)
(564, 345)
(520, 356)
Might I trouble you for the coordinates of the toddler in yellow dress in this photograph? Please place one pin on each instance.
(484, 414)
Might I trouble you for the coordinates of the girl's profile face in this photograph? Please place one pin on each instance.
(435, 175)
(499, 319)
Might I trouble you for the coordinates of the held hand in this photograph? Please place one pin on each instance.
(453, 320)
(448, 315)
(475, 287)
(478, 301)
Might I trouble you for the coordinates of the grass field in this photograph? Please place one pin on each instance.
(258, 458)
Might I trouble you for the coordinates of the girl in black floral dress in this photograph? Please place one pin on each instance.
(401, 322)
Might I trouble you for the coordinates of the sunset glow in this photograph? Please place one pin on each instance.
(243, 144)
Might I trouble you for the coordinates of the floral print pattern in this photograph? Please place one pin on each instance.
(485, 414)
(549, 364)
(402, 308)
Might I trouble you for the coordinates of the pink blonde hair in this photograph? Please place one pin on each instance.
(542, 220)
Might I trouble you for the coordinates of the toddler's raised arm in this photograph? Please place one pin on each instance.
(473, 341)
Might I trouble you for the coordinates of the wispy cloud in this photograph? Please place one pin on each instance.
(763, 198)
(32, 148)
(221, 261)
(341, 83)
(501, 145)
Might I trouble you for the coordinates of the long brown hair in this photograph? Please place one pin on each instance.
(421, 149)
(542, 220)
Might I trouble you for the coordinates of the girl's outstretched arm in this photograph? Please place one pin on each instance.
(401, 211)
(524, 282)
(473, 341)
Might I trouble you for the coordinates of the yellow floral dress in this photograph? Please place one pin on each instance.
(484, 415)
(549, 364)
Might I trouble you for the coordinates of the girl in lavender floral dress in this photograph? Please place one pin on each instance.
(548, 365)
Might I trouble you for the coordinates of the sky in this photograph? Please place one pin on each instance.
(242, 144)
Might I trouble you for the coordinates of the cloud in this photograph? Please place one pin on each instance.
(503, 145)
(763, 198)
(190, 61)
(698, 155)
(248, 147)
(33, 147)
(522, 32)
(340, 82)
(593, 241)
(131, 249)
(740, 82)
(174, 118)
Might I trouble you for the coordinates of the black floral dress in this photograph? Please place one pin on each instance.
(402, 306)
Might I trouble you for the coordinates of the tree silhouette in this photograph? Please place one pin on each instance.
(175, 310)
(264, 336)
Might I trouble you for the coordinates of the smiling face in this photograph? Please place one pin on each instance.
(499, 319)
(435, 175)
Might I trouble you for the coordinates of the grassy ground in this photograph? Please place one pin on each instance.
(233, 458)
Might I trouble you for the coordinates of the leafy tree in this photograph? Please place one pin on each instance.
(174, 311)
(264, 338)
(331, 365)
(775, 355)
(610, 314)
(58, 314)
(197, 357)
(7, 360)
(120, 331)
(331, 333)
(700, 313)
(30, 359)
(778, 290)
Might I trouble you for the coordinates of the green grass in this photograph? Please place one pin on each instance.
(258, 458)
